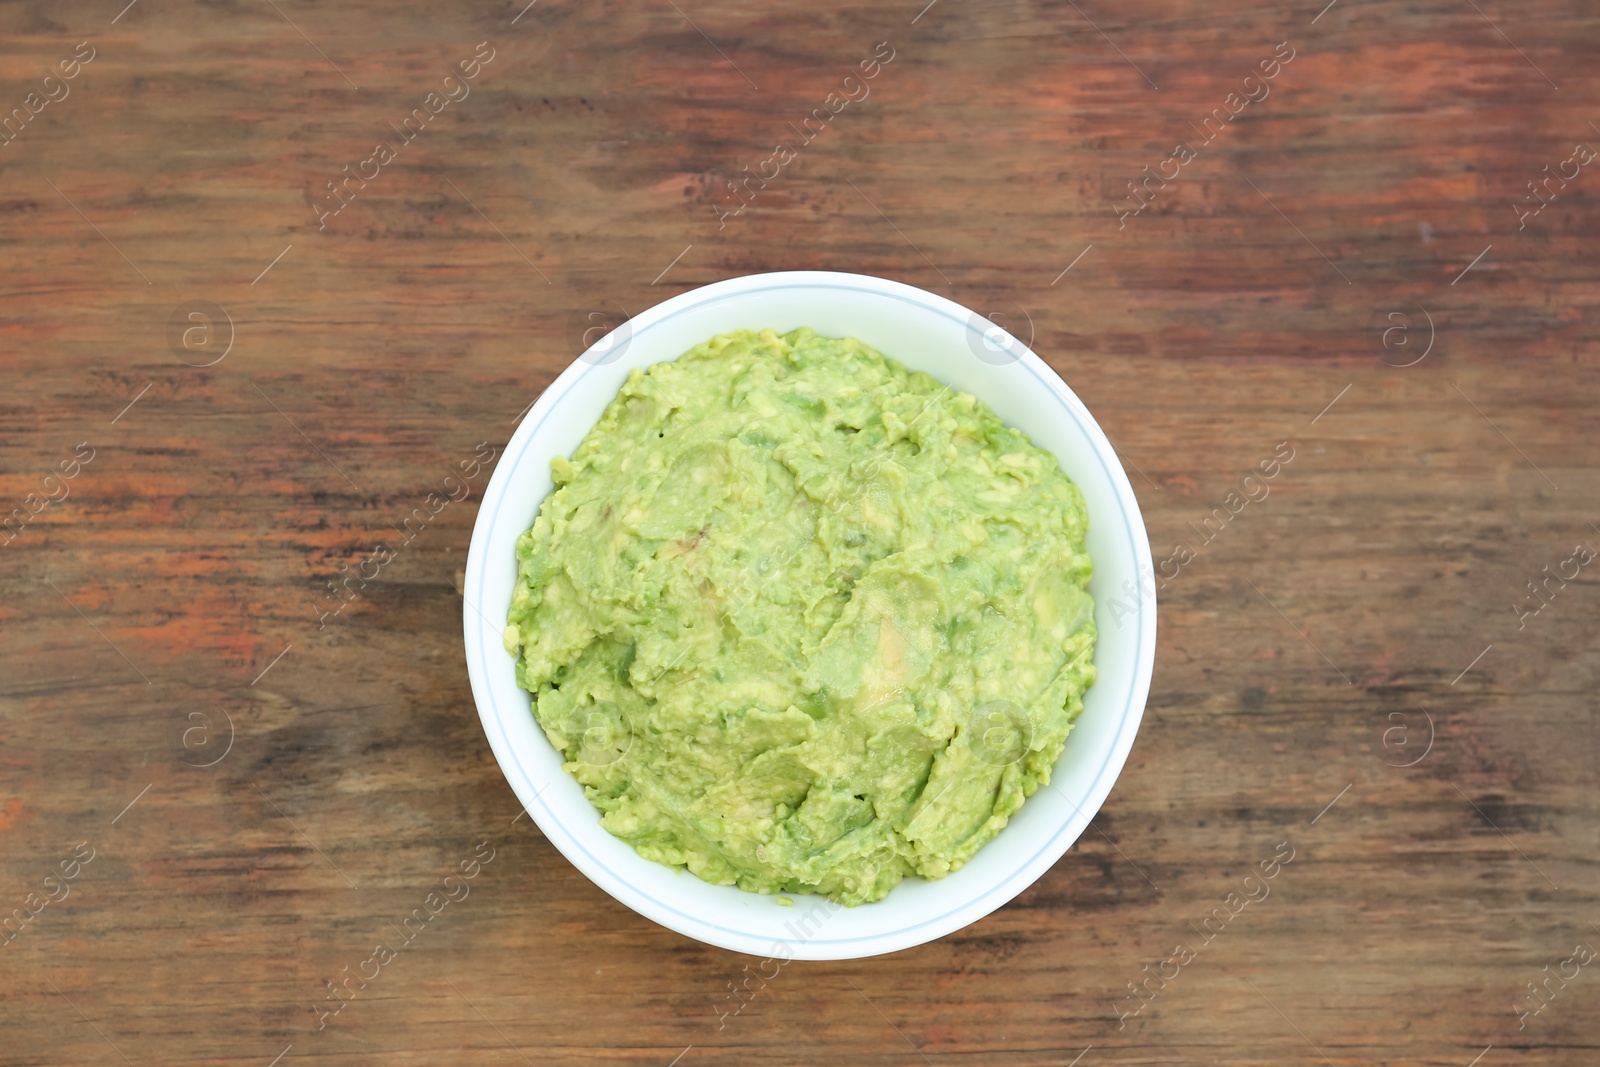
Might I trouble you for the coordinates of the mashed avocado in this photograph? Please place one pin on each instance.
(801, 620)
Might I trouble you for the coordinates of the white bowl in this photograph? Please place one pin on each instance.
(956, 346)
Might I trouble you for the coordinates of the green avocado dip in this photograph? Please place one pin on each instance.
(803, 621)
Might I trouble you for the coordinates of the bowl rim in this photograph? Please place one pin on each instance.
(961, 913)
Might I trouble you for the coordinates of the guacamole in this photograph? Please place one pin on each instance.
(803, 621)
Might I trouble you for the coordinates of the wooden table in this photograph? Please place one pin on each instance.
(1351, 666)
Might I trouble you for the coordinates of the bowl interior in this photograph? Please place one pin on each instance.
(925, 332)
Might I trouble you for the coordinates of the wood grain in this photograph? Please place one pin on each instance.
(175, 587)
